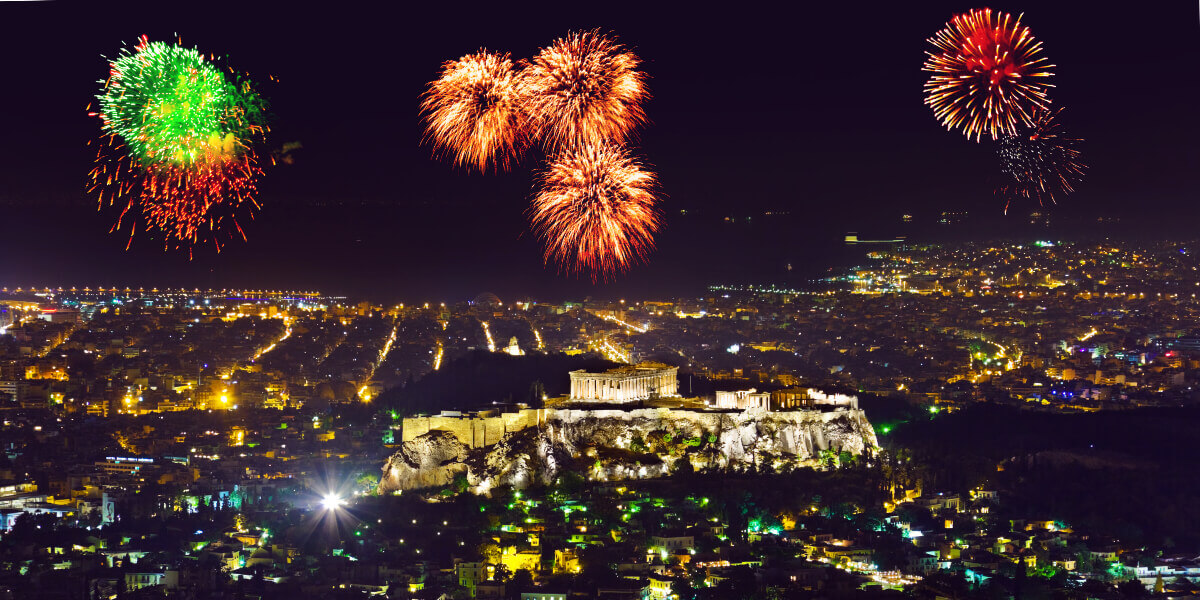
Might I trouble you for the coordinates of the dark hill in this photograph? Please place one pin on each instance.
(480, 378)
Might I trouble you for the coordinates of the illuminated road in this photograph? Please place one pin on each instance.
(287, 333)
(488, 333)
(383, 354)
(638, 328)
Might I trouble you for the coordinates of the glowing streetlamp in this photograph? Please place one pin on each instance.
(332, 502)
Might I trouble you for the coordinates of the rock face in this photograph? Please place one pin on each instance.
(629, 444)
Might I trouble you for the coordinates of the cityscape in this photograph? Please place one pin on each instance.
(599, 301)
(267, 443)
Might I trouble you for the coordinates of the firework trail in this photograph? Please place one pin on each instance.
(595, 210)
(584, 88)
(177, 147)
(474, 111)
(988, 77)
(1041, 162)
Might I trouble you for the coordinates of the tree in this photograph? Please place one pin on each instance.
(501, 573)
(1132, 588)
(521, 581)
(682, 589)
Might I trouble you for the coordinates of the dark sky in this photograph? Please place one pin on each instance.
(815, 109)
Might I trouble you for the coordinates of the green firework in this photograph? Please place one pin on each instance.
(171, 105)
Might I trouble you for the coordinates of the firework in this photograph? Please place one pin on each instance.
(474, 112)
(988, 76)
(178, 143)
(584, 88)
(186, 204)
(1040, 162)
(595, 210)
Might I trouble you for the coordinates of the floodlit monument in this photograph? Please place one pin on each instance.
(631, 383)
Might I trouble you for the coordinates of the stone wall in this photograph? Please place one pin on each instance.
(473, 431)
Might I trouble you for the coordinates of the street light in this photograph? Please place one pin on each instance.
(332, 502)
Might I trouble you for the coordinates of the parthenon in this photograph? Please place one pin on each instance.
(625, 384)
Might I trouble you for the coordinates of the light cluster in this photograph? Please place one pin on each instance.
(179, 144)
(579, 99)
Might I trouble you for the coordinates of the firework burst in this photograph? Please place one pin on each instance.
(1040, 162)
(584, 88)
(177, 148)
(595, 210)
(988, 75)
(474, 112)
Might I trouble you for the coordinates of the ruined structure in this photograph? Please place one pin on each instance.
(532, 445)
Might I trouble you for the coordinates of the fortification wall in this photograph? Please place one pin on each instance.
(473, 431)
(481, 432)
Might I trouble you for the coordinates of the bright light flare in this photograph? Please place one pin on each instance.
(332, 502)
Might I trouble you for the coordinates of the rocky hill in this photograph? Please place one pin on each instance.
(625, 444)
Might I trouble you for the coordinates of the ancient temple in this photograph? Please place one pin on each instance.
(630, 383)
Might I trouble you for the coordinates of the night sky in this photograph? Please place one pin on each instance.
(816, 111)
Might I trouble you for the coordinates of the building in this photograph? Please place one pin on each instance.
(809, 398)
(630, 383)
(750, 399)
(14, 391)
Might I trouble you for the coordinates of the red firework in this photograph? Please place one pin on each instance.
(988, 76)
(595, 210)
(186, 204)
(1041, 163)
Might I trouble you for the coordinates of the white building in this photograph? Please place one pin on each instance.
(750, 399)
(625, 384)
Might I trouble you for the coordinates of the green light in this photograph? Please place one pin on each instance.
(171, 104)
(933, 410)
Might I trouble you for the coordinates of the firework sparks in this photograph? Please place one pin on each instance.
(584, 88)
(474, 112)
(988, 76)
(178, 143)
(1041, 161)
(595, 210)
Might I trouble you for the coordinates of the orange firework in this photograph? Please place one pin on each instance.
(987, 75)
(473, 111)
(584, 88)
(595, 210)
